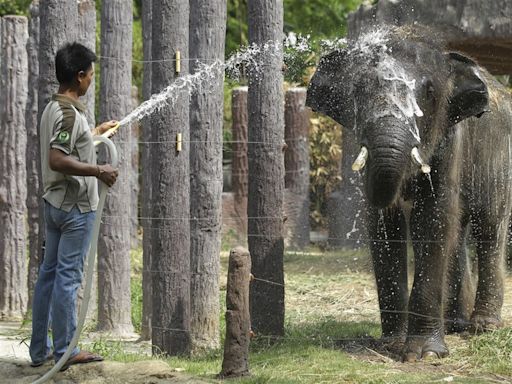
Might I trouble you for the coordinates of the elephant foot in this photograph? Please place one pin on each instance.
(484, 323)
(423, 348)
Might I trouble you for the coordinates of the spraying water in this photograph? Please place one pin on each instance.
(205, 75)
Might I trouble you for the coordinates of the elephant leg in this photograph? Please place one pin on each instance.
(388, 237)
(460, 287)
(491, 240)
(434, 231)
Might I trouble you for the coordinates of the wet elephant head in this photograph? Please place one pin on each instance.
(400, 93)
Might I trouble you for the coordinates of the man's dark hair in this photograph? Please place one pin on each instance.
(71, 59)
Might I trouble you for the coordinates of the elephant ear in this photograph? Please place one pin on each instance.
(470, 96)
(329, 91)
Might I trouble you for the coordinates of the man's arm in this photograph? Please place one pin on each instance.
(62, 163)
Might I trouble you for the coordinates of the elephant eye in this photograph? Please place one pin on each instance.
(428, 89)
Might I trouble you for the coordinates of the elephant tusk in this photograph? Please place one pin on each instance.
(415, 153)
(361, 160)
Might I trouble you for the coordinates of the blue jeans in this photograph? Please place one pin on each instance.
(68, 236)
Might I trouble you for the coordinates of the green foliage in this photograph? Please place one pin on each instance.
(324, 19)
(137, 55)
(325, 158)
(14, 7)
(236, 28)
(136, 288)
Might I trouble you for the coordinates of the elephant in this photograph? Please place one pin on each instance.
(434, 130)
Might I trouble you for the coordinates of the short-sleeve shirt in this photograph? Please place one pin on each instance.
(64, 127)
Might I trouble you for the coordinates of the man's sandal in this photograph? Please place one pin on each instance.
(82, 357)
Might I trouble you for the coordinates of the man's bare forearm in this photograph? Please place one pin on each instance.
(60, 162)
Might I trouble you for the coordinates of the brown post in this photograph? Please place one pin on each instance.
(240, 167)
(238, 322)
(296, 164)
(13, 189)
(32, 152)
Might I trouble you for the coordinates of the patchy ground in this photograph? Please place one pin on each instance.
(332, 319)
(140, 372)
(15, 368)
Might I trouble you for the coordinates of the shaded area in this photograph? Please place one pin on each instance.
(480, 29)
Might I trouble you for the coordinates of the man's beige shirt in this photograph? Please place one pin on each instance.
(64, 127)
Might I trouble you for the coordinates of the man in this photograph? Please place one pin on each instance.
(69, 173)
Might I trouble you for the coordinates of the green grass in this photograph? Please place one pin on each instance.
(331, 333)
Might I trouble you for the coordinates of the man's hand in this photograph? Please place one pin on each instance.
(104, 127)
(107, 174)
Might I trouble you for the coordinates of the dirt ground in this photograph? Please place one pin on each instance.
(141, 372)
(15, 368)
(350, 297)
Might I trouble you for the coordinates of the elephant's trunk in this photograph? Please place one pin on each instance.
(389, 160)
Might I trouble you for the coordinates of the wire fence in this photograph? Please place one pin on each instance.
(369, 313)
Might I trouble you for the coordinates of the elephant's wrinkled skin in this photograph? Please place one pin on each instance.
(398, 89)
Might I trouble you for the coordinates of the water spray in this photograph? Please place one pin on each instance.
(89, 260)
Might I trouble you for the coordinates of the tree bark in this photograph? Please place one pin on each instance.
(114, 299)
(296, 165)
(207, 40)
(170, 206)
(146, 177)
(240, 166)
(238, 321)
(58, 20)
(13, 173)
(32, 154)
(87, 36)
(266, 169)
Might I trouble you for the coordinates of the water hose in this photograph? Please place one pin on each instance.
(90, 261)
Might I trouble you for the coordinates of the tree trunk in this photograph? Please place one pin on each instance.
(296, 165)
(266, 169)
(238, 321)
(13, 173)
(58, 20)
(114, 300)
(170, 206)
(87, 36)
(134, 172)
(32, 154)
(146, 167)
(240, 167)
(207, 40)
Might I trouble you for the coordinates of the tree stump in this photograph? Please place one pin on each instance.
(238, 322)
(296, 165)
(240, 168)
